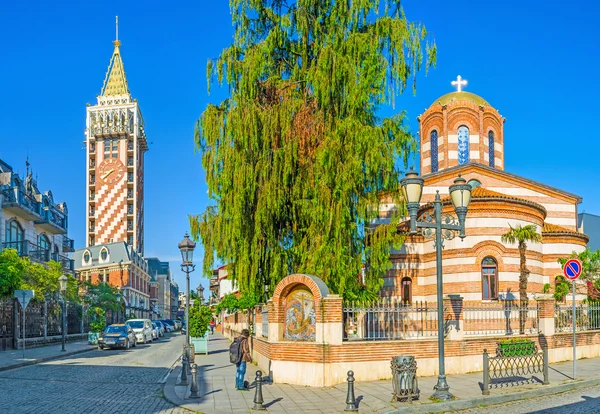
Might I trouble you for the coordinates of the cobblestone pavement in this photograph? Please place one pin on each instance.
(109, 381)
(583, 401)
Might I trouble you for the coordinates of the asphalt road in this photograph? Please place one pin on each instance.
(583, 401)
(109, 381)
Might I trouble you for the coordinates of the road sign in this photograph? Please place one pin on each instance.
(24, 297)
(572, 269)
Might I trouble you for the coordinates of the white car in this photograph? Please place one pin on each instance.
(142, 329)
(155, 331)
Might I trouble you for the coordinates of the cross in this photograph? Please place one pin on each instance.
(459, 83)
(117, 28)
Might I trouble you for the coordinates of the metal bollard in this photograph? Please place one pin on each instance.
(194, 388)
(350, 399)
(258, 397)
(184, 380)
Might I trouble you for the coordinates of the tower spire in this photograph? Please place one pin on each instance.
(115, 82)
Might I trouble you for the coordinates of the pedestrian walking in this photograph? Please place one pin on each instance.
(239, 354)
(212, 326)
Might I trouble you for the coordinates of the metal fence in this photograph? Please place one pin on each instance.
(587, 317)
(389, 320)
(500, 318)
(265, 322)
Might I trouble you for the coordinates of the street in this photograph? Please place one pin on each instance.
(583, 401)
(109, 381)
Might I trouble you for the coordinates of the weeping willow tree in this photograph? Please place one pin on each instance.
(296, 159)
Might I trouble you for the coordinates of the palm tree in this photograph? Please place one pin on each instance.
(522, 235)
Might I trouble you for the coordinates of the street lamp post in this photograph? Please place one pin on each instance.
(200, 290)
(187, 246)
(62, 281)
(440, 226)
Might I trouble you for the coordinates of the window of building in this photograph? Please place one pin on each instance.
(489, 278)
(406, 290)
(14, 237)
(111, 148)
(474, 183)
(434, 150)
(104, 254)
(491, 145)
(463, 145)
(45, 246)
(87, 257)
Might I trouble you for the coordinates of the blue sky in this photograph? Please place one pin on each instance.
(535, 61)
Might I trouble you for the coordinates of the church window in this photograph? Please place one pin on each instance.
(491, 145)
(406, 290)
(489, 278)
(463, 145)
(434, 151)
(14, 236)
(474, 183)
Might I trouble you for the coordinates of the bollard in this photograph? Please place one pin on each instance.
(258, 397)
(350, 399)
(184, 380)
(194, 388)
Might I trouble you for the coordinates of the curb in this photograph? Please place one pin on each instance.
(495, 399)
(45, 359)
(169, 391)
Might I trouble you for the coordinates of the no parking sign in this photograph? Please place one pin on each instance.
(572, 270)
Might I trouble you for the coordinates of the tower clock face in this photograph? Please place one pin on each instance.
(111, 171)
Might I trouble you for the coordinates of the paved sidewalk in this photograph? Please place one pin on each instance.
(11, 359)
(217, 387)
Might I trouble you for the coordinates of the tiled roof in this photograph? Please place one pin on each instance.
(480, 192)
(553, 228)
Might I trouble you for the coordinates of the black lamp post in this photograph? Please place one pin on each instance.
(200, 290)
(187, 246)
(62, 281)
(439, 226)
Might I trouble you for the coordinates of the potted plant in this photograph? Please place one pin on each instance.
(516, 347)
(200, 317)
(97, 324)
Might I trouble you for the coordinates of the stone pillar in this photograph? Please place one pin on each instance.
(453, 317)
(546, 313)
(258, 321)
(329, 325)
(276, 321)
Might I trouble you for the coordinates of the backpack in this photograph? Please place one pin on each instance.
(235, 351)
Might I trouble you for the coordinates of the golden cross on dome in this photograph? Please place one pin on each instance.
(117, 28)
(459, 83)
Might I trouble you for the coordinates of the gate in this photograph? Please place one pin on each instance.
(6, 325)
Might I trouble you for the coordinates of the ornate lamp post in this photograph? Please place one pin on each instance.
(187, 246)
(439, 226)
(62, 281)
(200, 290)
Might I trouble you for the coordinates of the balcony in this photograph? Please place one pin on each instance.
(52, 221)
(25, 248)
(67, 264)
(68, 245)
(21, 204)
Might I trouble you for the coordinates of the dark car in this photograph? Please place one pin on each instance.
(117, 336)
(170, 323)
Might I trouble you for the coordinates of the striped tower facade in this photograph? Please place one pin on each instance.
(115, 147)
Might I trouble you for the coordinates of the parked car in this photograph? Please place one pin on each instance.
(117, 336)
(170, 324)
(155, 331)
(142, 329)
(178, 324)
(161, 328)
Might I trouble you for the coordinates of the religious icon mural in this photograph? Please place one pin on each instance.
(300, 320)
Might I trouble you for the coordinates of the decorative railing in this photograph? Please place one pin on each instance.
(25, 248)
(67, 243)
(587, 317)
(16, 196)
(500, 318)
(389, 320)
(66, 263)
(55, 217)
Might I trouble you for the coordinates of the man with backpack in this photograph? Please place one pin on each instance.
(239, 354)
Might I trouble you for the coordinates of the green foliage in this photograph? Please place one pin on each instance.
(102, 296)
(97, 319)
(522, 235)
(247, 301)
(361, 296)
(12, 268)
(228, 303)
(200, 317)
(297, 161)
(562, 287)
(590, 262)
(546, 288)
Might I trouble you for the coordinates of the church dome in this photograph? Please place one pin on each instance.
(461, 96)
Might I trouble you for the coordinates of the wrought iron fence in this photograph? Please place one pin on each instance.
(389, 320)
(587, 317)
(6, 324)
(265, 322)
(500, 318)
(54, 318)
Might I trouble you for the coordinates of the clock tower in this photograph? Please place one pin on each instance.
(115, 146)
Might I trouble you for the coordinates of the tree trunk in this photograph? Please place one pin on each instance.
(523, 299)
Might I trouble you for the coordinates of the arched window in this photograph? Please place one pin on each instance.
(44, 244)
(104, 254)
(87, 257)
(489, 278)
(474, 183)
(434, 150)
(14, 236)
(463, 145)
(406, 290)
(491, 145)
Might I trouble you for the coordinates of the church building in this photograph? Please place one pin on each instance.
(462, 134)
